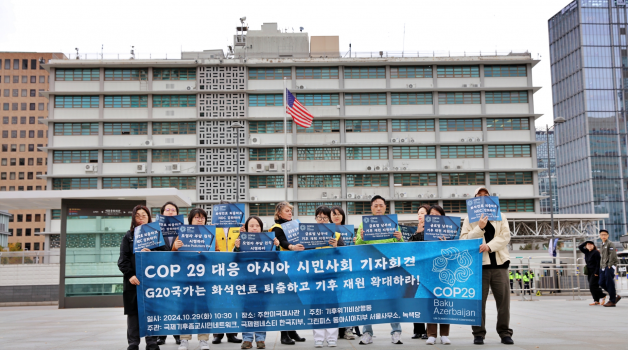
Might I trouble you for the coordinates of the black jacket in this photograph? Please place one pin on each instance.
(417, 237)
(592, 258)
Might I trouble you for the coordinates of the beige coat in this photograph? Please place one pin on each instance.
(499, 243)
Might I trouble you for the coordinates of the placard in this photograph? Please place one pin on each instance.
(439, 227)
(170, 224)
(347, 232)
(291, 230)
(407, 232)
(257, 241)
(378, 227)
(489, 206)
(197, 238)
(147, 236)
(316, 235)
(228, 215)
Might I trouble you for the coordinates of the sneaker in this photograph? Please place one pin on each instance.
(366, 339)
(445, 340)
(246, 345)
(183, 345)
(594, 303)
(603, 301)
(261, 344)
(318, 343)
(349, 334)
(331, 343)
(395, 338)
(204, 345)
(430, 341)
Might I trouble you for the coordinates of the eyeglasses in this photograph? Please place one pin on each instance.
(140, 216)
(170, 210)
(322, 218)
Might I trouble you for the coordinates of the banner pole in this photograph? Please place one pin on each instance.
(285, 138)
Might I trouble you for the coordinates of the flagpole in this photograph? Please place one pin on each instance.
(285, 138)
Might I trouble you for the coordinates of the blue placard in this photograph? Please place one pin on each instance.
(484, 205)
(316, 235)
(407, 232)
(257, 241)
(228, 215)
(439, 227)
(192, 293)
(291, 230)
(347, 232)
(170, 224)
(377, 227)
(197, 238)
(147, 236)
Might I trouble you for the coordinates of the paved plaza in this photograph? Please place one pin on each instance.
(549, 323)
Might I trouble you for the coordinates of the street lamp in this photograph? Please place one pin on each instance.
(236, 126)
(557, 121)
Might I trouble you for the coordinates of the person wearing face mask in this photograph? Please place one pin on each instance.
(419, 328)
(592, 259)
(495, 262)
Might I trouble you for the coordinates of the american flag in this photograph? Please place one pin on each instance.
(299, 113)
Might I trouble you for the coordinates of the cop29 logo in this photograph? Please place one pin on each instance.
(302, 227)
(243, 236)
(366, 220)
(453, 266)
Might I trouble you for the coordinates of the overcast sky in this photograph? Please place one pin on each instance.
(166, 27)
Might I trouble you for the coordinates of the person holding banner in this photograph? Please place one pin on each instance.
(126, 264)
(419, 328)
(378, 207)
(283, 214)
(495, 263)
(247, 228)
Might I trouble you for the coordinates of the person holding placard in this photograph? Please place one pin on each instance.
(225, 242)
(252, 226)
(283, 214)
(126, 264)
(378, 207)
(419, 328)
(495, 262)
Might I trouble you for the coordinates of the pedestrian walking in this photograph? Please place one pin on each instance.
(608, 269)
(592, 259)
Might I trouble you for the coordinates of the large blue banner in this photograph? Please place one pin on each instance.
(217, 292)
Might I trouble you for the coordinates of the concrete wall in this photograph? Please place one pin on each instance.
(88, 141)
(77, 86)
(76, 113)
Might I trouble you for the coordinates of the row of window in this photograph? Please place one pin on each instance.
(159, 101)
(125, 156)
(23, 161)
(16, 64)
(30, 175)
(93, 74)
(14, 147)
(21, 92)
(13, 134)
(24, 79)
(180, 182)
(23, 120)
(21, 188)
(27, 218)
(399, 152)
(23, 106)
(70, 129)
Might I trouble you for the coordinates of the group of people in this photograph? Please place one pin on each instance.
(601, 268)
(524, 280)
(495, 237)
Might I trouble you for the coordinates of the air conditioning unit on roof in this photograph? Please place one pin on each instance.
(369, 168)
(350, 195)
(147, 143)
(453, 195)
(377, 168)
(432, 195)
(394, 140)
(463, 140)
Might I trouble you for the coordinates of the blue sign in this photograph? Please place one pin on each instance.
(316, 235)
(197, 238)
(439, 227)
(347, 232)
(192, 293)
(257, 242)
(377, 227)
(228, 215)
(489, 206)
(407, 232)
(170, 225)
(291, 230)
(147, 236)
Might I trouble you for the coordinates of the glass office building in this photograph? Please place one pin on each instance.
(541, 159)
(589, 78)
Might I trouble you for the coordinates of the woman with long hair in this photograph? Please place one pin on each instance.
(592, 258)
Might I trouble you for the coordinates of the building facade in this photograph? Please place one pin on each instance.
(589, 60)
(23, 136)
(414, 130)
(542, 161)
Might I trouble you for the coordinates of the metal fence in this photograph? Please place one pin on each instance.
(29, 257)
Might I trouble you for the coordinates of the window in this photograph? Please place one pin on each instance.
(517, 178)
(266, 100)
(5, 134)
(77, 74)
(505, 71)
(508, 151)
(37, 217)
(24, 79)
(270, 73)
(315, 181)
(7, 92)
(317, 73)
(33, 64)
(4, 161)
(460, 124)
(31, 147)
(123, 182)
(414, 152)
(20, 217)
(24, 64)
(269, 181)
(318, 153)
(22, 134)
(411, 72)
(451, 152)
(7, 64)
(506, 97)
(3, 176)
(270, 127)
(365, 73)
(40, 133)
(13, 162)
(414, 98)
(508, 124)
(31, 134)
(19, 232)
(24, 93)
(40, 161)
(36, 244)
(514, 205)
(412, 125)
(124, 156)
(319, 99)
(75, 157)
(180, 182)
(76, 102)
(458, 71)
(5, 120)
(174, 155)
(74, 184)
(455, 98)
(33, 79)
(367, 153)
(15, 92)
(31, 120)
(164, 101)
(72, 129)
(268, 154)
(262, 209)
(411, 207)
(5, 106)
(125, 128)
(42, 79)
(365, 99)
(126, 101)
(174, 73)
(363, 208)
(309, 208)
(367, 180)
(463, 179)
(321, 126)
(29, 218)
(455, 206)
(56, 214)
(415, 180)
(31, 162)
(126, 74)
(40, 106)
(16, 79)
(366, 125)
(182, 128)
(13, 120)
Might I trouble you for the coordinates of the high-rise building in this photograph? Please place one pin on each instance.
(589, 71)
(24, 134)
(541, 156)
